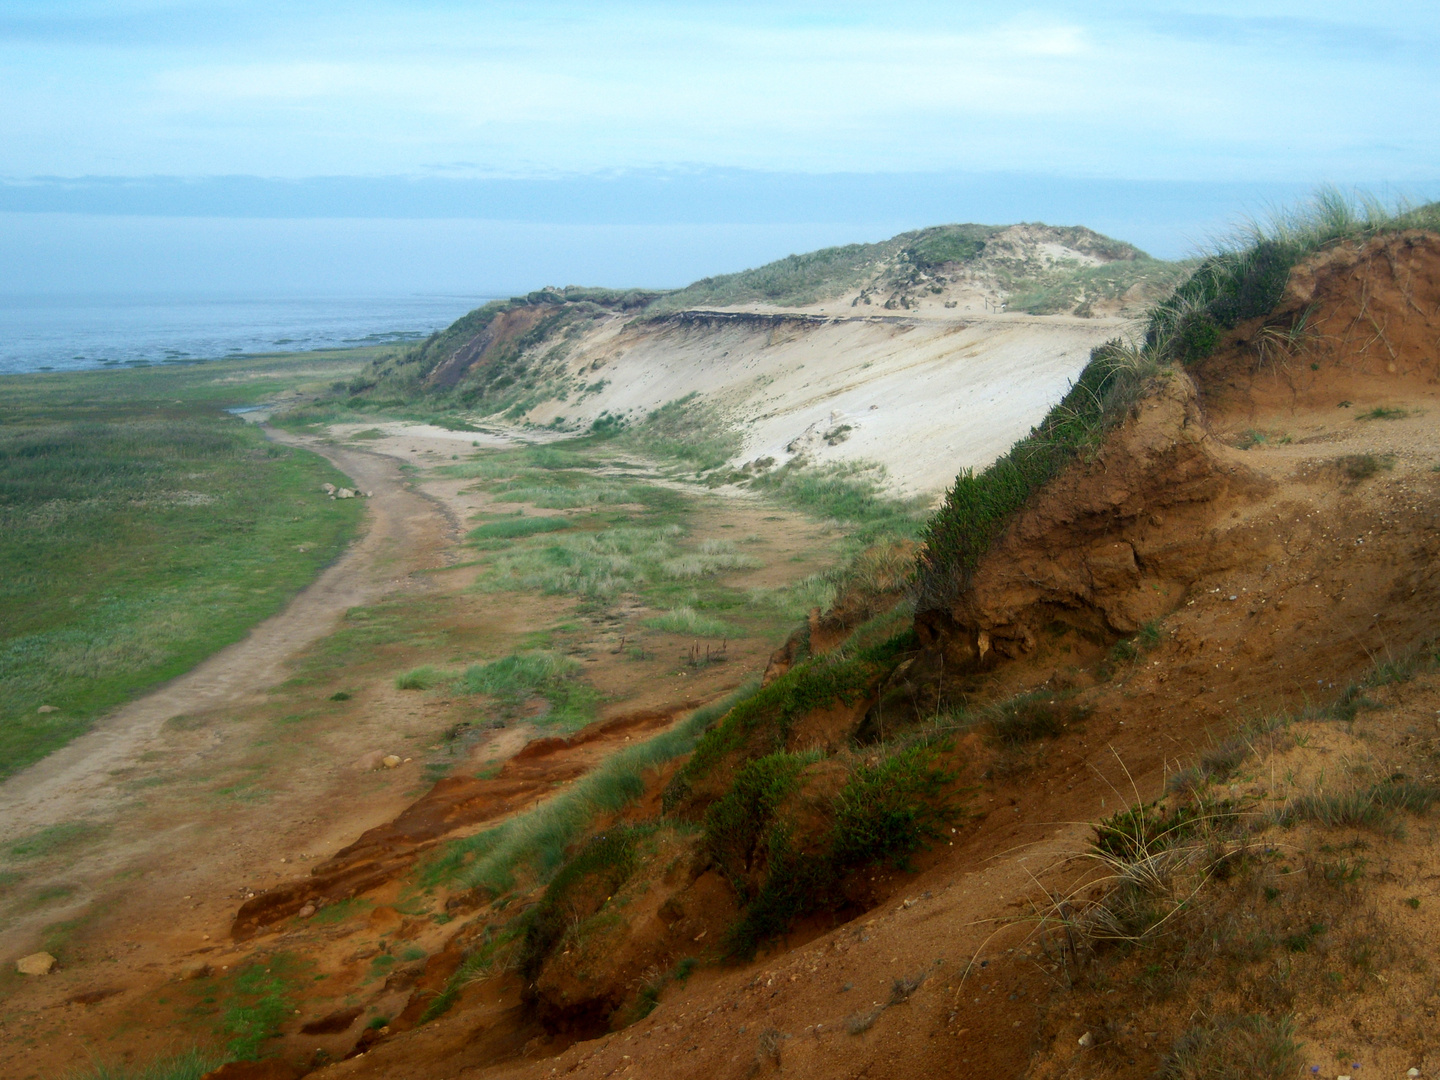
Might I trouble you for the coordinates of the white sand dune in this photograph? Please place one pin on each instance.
(924, 395)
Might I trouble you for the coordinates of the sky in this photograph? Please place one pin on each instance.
(491, 147)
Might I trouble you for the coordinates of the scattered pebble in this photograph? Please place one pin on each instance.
(1087, 1039)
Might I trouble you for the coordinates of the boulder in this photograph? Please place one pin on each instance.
(373, 760)
(390, 761)
(345, 493)
(40, 963)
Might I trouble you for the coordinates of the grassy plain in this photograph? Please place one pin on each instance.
(142, 528)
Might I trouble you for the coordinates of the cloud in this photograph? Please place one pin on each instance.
(1211, 90)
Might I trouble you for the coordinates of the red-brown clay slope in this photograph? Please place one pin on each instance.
(1280, 572)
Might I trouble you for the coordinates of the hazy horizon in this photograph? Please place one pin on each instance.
(155, 145)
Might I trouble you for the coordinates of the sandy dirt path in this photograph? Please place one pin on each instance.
(404, 531)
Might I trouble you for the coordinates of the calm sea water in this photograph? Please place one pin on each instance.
(77, 333)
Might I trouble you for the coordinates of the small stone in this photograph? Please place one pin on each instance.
(40, 963)
(1412, 1073)
(1086, 1040)
(390, 761)
(48, 709)
(306, 911)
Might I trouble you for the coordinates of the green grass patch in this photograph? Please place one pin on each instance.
(536, 841)
(688, 430)
(1371, 807)
(599, 566)
(691, 623)
(425, 677)
(258, 1000)
(511, 528)
(761, 724)
(341, 911)
(54, 840)
(515, 679)
(1380, 412)
(852, 493)
(190, 1065)
(140, 533)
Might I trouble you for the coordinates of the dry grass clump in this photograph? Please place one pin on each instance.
(1225, 1047)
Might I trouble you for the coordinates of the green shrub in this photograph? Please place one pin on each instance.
(603, 864)
(1139, 831)
(1027, 718)
(1380, 412)
(889, 809)
(765, 718)
(736, 824)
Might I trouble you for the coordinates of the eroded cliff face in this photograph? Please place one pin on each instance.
(1114, 543)
(1175, 496)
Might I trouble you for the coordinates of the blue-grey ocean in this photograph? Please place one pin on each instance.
(70, 333)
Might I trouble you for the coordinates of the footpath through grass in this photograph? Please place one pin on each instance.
(141, 529)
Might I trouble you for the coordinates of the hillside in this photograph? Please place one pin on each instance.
(1221, 618)
(821, 359)
(1121, 763)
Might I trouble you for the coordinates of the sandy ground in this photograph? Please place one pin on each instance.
(923, 395)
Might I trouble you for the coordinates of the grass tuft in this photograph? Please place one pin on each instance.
(511, 528)
(190, 1065)
(1256, 1047)
(691, 623)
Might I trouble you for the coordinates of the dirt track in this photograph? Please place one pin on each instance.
(403, 531)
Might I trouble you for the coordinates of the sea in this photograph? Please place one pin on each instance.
(76, 333)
